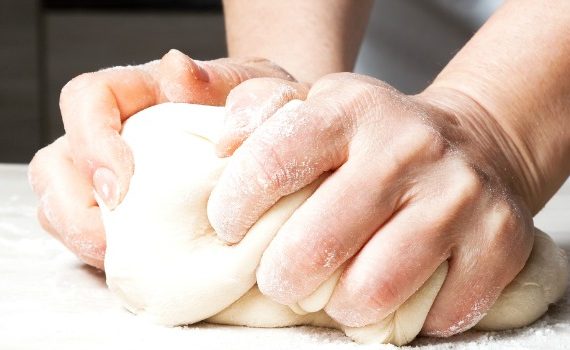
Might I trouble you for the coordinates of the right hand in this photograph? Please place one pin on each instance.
(92, 155)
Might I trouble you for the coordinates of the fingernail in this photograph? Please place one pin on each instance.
(106, 185)
(199, 72)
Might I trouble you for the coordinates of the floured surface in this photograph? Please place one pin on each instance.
(49, 300)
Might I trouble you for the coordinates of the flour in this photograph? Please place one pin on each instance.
(49, 300)
(180, 273)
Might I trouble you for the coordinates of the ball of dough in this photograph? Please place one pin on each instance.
(164, 261)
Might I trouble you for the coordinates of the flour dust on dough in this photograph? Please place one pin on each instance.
(165, 263)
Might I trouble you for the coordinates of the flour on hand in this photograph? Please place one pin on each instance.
(165, 263)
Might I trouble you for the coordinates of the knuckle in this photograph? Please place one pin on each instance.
(174, 57)
(270, 172)
(264, 66)
(378, 296)
(456, 315)
(38, 167)
(43, 220)
(430, 143)
(334, 81)
(49, 214)
(348, 100)
(46, 153)
(262, 95)
(511, 236)
(248, 86)
(35, 165)
(466, 185)
(42, 166)
(265, 82)
(361, 93)
(77, 83)
(382, 296)
(70, 92)
(38, 158)
(421, 143)
(277, 162)
(506, 222)
(335, 78)
(324, 254)
(283, 91)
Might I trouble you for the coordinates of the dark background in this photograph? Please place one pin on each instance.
(44, 44)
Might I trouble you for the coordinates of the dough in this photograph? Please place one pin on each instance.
(165, 263)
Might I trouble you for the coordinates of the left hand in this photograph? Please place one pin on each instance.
(93, 156)
(415, 181)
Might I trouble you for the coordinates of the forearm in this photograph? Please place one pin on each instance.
(517, 69)
(307, 38)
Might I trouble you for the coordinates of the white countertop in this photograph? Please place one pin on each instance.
(49, 300)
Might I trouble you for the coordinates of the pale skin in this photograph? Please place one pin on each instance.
(454, 173)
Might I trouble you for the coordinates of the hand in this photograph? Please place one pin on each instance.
(415, 181)
(92, 154)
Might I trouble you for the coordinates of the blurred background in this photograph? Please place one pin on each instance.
(45, 43)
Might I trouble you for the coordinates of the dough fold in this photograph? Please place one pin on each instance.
(164, 261)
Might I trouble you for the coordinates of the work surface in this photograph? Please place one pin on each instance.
(49, 300)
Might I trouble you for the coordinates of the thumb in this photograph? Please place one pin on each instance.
(93, 123)
(108, 161)
(112, 168)
(183, 79)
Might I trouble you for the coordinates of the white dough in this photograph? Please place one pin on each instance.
(165, 263)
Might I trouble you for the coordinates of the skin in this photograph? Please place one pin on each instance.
(454, 173)
(91, 156)
(309, 38)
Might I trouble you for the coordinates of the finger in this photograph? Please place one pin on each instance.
(68, 209)
(325, 232)
(38, 166)
(37, 178)
(183, 79)
(307, 249)
(474, 281)
(286, 153)
(44, 222)
(406, 250)
(250, 104)
(391, 267)
(93, 107)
